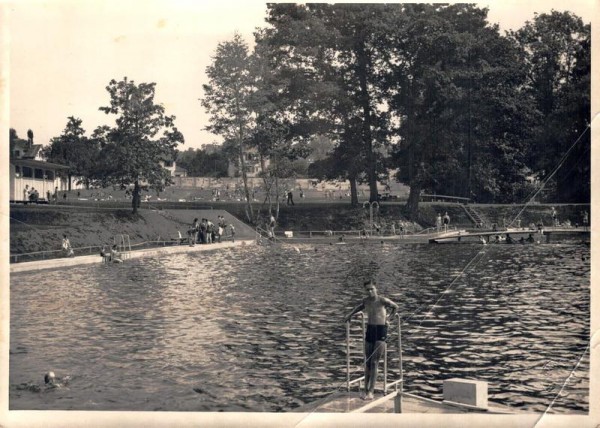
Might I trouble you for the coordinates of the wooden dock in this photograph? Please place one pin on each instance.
(515, 233)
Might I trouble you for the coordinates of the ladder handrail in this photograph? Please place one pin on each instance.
(396, 382)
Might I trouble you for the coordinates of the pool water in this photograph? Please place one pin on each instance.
(259, 328)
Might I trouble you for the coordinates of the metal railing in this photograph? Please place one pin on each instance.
(264, 234)
(89, 250)
(347, 233)
(398, 383)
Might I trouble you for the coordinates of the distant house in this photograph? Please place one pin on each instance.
(29, 170)
(252, 161)
(171, 165)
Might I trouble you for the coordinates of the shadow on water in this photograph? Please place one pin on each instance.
(260, 328)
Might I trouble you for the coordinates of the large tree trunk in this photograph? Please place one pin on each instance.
(276, 197)
(412, 205)
(249, 213)
(353, 192)
(136, 197)
(366, 107)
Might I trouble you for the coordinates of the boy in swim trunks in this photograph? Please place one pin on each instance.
(374, 307)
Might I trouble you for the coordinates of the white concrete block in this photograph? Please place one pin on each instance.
(466, 391)
(288, 234)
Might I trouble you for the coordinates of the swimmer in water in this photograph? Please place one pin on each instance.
(50, 382)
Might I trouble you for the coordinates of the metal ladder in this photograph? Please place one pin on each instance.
(123, 245)
(398, 384)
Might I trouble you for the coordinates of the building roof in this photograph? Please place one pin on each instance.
(32, 163)
(28, 152)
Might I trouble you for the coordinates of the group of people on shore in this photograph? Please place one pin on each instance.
(442, 223)
(31, 194)
(206, 232)
(111, 255)
(497, 239)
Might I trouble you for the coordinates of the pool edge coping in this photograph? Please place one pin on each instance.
(96, 258)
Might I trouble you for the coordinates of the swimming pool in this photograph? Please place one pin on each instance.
(260, 328)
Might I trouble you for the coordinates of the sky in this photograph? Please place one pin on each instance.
(63, 54)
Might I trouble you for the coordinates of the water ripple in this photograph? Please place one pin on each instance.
(259, 329)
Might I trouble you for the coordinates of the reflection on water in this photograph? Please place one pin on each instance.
(260, 328)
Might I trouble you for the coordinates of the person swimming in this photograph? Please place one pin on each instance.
(51, 381)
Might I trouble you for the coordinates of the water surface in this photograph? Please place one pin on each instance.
(260, 328)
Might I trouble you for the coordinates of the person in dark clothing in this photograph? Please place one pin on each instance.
(376, 334)
(290, 198)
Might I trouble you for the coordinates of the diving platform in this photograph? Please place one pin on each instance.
(459, 395)
(395, 402)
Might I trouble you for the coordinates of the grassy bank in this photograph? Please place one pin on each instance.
(87, 223)
(40, 228)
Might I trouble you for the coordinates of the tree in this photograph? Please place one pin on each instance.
(328, 54)
(556, 50)
(226, 99)
(142, 138)
(455, 91)
(73, 149)
(200, 163)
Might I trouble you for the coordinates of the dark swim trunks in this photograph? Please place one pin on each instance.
(376, 332)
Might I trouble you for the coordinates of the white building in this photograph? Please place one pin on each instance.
(171, 166)
(28, 170)
(252, 162)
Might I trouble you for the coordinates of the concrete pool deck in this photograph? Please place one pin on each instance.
(96, 258)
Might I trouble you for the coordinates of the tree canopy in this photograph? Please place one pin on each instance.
(74, 149)
(134, 150)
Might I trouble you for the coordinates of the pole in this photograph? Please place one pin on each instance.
(398, 401)
(348, 356)
(385, 369)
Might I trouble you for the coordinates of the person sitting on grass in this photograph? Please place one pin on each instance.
(115, 256)
(66, 247)
(105, 254)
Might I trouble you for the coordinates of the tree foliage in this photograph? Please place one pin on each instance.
(556, 51)
(143, 137)
(227, 100)
(73, 149)
(201, 163)
(462, 107)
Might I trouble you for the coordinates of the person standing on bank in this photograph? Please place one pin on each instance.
(375, 308)
(446, 221)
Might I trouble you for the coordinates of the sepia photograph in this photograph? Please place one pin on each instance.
(298, 214)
